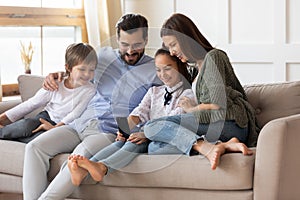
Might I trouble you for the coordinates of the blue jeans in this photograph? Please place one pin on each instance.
(177, 134)
(21, 130)
(119, 154)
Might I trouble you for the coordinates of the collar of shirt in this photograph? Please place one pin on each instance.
(175, 87)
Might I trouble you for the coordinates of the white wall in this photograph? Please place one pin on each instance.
(262, 38)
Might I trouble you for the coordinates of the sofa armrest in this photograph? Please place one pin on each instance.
(6, 105)
(277, 163)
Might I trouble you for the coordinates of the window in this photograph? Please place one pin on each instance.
(50, 26)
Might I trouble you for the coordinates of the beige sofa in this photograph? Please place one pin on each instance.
(271, 174)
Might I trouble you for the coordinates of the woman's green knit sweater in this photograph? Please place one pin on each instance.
(218, 84)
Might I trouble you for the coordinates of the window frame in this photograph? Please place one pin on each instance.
(36, 16)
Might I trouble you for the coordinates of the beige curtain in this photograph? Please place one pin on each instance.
(101, 17)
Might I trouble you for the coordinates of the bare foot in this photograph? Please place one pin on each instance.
(214, 155)
(97, 170)
(77, 173)
(211, 151)
(234, 145)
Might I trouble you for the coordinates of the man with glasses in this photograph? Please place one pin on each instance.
(123, 77)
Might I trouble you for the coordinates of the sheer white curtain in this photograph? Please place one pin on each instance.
(101, 17)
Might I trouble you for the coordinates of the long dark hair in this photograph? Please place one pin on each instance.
(192, 43)
(182, 67)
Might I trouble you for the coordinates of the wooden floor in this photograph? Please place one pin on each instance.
(11, 196)
(6, 196)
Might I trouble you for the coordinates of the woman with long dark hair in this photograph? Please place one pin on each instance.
(223, 120)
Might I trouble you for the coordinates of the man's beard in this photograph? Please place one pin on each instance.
(132, 61)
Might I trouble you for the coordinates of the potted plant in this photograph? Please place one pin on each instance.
(26, 56)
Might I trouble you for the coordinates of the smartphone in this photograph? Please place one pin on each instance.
(123, 126)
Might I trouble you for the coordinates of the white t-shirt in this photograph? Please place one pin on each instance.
(194, 84)
(63, 105)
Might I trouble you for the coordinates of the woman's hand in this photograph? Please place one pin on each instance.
(189, 106)
(137, 137)
(186, 104)
(120, 137)
(44, 126)
(50, 83)
(208, 106)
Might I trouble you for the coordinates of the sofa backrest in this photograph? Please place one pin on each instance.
(28, 86)
(270, 101)
(274, 100)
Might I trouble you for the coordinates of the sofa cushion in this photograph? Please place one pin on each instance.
(235, 171)
(55, 165)
(274, 100)
(177, 171)
(12, 157)
(180, 171)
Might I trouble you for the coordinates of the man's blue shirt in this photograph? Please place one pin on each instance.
(120, 88)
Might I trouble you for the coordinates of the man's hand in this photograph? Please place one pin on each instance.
(50, 83)
(44, 126)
